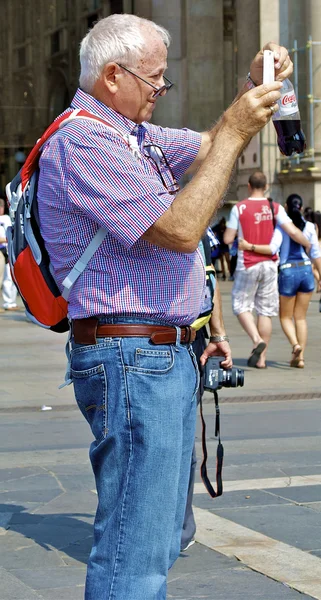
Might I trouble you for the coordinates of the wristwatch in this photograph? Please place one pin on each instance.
(214, 339)
(253, 248)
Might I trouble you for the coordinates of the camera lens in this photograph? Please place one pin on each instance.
(239, 376)
(233, 377)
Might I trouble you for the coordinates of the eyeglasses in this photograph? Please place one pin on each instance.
(158, 159)
(158, 91)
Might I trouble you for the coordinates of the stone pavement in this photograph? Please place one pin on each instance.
(47, 490)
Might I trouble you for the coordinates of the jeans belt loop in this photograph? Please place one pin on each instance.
(178, 337)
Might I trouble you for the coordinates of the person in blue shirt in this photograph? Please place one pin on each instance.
(296, 281)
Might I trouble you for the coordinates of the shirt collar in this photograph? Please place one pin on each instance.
(85, 101)
(257, 198)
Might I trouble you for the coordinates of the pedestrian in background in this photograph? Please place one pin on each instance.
(8, 288)
(255, 278)
(224, 253)
(134, 373)
(296, 282)
(233, 257)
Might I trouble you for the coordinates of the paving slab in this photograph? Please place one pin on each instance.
(314, 506)
(71, 503)
(21, 553)
(33, 482)
(13, 589)
(36, 495)
(52, 578)
(11, 474)
(67, 593)
(239, 499)
(297, 526)
(207, 575)
(299, 495)
(55, 534)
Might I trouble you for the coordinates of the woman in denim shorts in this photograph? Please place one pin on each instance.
(296, 280)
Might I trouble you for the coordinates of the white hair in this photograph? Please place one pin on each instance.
(117, 38)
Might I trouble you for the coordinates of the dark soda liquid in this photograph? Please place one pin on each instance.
(291, 138)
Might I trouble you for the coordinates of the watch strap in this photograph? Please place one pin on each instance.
(214, 339)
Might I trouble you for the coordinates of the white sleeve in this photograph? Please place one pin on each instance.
(310, 233)
(233, 222)
(276, 240)
(281, 216)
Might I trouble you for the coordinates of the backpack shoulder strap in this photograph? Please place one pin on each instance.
(32, 160)
(82, 262)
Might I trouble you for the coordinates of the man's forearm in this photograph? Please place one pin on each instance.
(317, 263)
(181, 227)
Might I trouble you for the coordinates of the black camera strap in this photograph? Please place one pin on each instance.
(219, 453)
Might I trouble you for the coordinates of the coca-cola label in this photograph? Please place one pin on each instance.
(288, 104)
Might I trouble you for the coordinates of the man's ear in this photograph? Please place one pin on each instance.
(110, 76)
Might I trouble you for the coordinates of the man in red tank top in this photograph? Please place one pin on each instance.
(255, 278)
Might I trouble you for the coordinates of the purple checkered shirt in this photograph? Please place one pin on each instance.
(90, 179)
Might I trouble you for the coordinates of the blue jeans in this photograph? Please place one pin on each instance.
(140, 401)
(296, 279)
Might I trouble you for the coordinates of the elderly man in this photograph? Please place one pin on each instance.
(133, 370)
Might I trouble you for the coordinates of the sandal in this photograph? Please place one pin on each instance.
(255, 355)
(296, 350)
(298, 363)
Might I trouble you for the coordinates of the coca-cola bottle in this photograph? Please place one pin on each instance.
(287, 123)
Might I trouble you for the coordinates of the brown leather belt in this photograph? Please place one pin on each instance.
(85, 331)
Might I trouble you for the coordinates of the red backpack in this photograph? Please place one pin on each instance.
(28, 257)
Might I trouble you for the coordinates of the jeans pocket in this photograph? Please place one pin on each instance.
(287, 284)
(150, 361)
(197, 371)
(90, 386)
